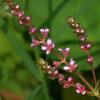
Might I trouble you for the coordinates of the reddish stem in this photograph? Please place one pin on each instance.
(93, 71)
(84, 80)
(94, 75)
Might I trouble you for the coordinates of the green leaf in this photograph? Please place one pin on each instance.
(35, 93)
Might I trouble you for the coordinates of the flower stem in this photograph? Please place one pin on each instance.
(93, 71)
(94, 75)
(58, 55)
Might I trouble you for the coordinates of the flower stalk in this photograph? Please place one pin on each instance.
(85, 45)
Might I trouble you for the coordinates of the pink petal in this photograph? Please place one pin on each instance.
(89, 45)
(72, 62)
(43, 48)
(49, 41)
(47, 30)
(47, 52)
(60, 49)
(67, 49)
(70, 79)
(32, 44)
(41, 30)
(83, 92)
(66, 68)
(53, 45)
(77, 91)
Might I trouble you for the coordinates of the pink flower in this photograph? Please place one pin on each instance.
(32, 30)
(54, 74)
(44, 32)
(86, 47)
(20, 14)
(48, 47)
(83, 37)
(15, 9)
(68, 83)
(90, 59)
(35, 43)
(24, 20)
(71, 67)
(80, 88)
(56, 64)
(65, 52)
(79, 31)
(61, 78)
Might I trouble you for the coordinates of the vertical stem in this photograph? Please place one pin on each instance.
(94, 75)
(93, 71)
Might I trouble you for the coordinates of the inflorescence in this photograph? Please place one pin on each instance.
(48, 46)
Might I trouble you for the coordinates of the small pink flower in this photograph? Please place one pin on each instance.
(24, 20)
(83, 37)
(48, 47)
(72, 66)
(86, 47)
(32, 30)
(20, 14)
(68, 83)
(61, 78)
(44, 32)
(80, 88)
(65, 52)
(27, 20)
(79, 31)
(54, 74)
(90, 59)
(56, 64)
(15, 9)
(35, 43)
(17, 6)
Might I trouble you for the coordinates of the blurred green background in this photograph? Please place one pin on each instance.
(19, 73)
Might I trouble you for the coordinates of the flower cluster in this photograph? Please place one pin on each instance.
(85, 45)
(48, 46)
(54, 73)
(72, 66)
(80, 88)
(80, 32)
(23, 20)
